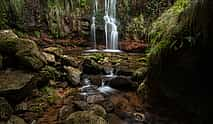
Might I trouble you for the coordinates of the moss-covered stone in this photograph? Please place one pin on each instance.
(25, 52)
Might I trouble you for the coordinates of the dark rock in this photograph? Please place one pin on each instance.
(91, 67)
(121, 83)
(69, 61)
(84, 117)
(109, 106)
(73, 75)
(114, 119)
(123, 71)
(24, 52)
(5, 109)
(96, 80)
(80, 105)
(16, 85)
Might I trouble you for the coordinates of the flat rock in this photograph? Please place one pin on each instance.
(15, 85)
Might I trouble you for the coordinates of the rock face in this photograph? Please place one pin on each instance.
(21, 52)
(15, 85)
(5, 109)
(179, 67)
(84, 117)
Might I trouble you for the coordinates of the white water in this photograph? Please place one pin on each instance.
(93, 25)
(111, 33)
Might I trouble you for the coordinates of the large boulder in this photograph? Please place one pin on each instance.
(15, 85)
(84, 117)
(19, 51)
(179, 59)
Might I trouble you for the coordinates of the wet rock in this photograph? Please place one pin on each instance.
(84, 117)
(65, 111)
(121, 83)
(95, 98)
(5, 109)
(54, 50)
(140, 74)
(24, 53)
(96, 80)
(124, 72)
(14, 120)
(114, 119)
(98, 110)
(16, 85)
(73, 75)
(49, 57)
(91, 67)
(69, 61)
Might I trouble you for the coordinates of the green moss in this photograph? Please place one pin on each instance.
(166, 29)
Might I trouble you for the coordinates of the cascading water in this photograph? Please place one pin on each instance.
(111, 33)
(93, 25)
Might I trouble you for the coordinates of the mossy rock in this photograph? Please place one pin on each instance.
(140, 74)
(15, 85)
(5, 109)
(14, 120)
(89, 66)
(24, 52)
(84, 117)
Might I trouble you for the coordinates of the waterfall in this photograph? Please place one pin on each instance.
(111, 33)
(110, 27)
(93, 25)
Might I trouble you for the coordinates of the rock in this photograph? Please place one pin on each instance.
(50, 72)
(124, 72)
(98, 110)
(121, 83)
(16, 85)
(69, 61)
(114, 119)
(65, 111)
(14, 120)
(84, 117)
(24, 53)
(73, 75)
(96, 80)
(81, 105)
(49, 57)
(95, 98)
(91, 67)
(140, 74)
(5, 109)
(5, 34)
(54, 50)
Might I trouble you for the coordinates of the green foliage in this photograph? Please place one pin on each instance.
(136, 28)
(83, 3)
